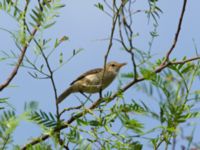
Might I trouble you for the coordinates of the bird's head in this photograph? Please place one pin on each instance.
(114, 66)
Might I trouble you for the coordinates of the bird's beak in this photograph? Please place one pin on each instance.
(122, 64)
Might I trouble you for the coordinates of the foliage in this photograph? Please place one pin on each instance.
(42, 118)
(114, 121)
(2, 102)
(8, 123)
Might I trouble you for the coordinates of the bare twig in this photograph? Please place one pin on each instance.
(159, 143)
(174, 143)
(185, 61)
(114, 21)
(5, 141)
(177, 32)
(129, 35)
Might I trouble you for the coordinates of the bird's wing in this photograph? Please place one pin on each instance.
(93, 71)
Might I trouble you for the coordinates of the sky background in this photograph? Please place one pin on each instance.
(86, 26)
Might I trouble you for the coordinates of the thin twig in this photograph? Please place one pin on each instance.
(115, 17)
(159, 143)
(70, 108)
(114, 22)
(129, 35)
(177, 32)
(5, 141)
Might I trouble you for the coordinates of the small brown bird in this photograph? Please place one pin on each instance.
(93, 81)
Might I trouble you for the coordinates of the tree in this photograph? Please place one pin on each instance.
(114, 121)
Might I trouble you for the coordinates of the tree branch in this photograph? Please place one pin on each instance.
(177, 33)
(20, 60)
(114, 22)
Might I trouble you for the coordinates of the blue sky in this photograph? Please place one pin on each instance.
(86, 26)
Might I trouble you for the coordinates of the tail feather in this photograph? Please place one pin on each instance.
(65, 94)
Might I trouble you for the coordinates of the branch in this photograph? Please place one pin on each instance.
(20, 59)
(115, 16)
(14, 72)
(129, 35)
(177, 33)
(185, 61)
(114, 22)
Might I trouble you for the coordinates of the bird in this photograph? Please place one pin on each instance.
(93, 81)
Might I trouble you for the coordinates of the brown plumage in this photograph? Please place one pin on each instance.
(93, 81)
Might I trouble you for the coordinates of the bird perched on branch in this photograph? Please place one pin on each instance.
(93, 81)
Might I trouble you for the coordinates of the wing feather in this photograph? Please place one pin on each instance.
(93, 71)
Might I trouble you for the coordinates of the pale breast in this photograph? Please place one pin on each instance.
(92, 79)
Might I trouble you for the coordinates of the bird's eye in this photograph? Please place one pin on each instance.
(113, 65)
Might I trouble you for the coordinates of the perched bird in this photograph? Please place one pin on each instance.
(93, 81)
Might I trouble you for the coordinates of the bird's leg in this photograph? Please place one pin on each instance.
(100, 96)
(88, 98)
(100, 93)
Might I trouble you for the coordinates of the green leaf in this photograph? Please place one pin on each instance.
(188, 68)
(148, 74)
(82, 122)
(136, 146)
(31, 106)
(100, 6)
(7, 115)
(61, 58)
(132, 124)
(94, 123)
(59, 41)
(109, 118)
(38, 15)
(74, 136)
(128, 75)
(40, 146)
(154, 34)
(59, 6)
(162, 117)
(49, 25)
(3, 100)
(42, 118)
(64, 38)
(35, 19)
(8, 123)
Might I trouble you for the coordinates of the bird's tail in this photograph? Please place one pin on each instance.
(66, 93)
